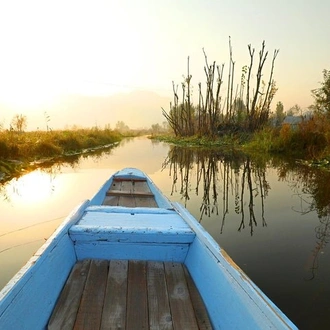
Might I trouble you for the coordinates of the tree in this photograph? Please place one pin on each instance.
(258, 103)
(295, 110)
(18, 123)
(280, 115)
(155, 128)
(121, 126)
(165, 126)
(322, 94)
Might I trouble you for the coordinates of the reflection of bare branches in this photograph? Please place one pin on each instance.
(242, 225)
(179, 162)
(256, 185)
(313, 189)
(263, 186)
(185, 182)
(311, 186)
(251, 204)
(322, 235)
(208, 173)
(303, 203)
(234, 180)
(225, 196)
(172, 172)
(3, 193)
(175, 179)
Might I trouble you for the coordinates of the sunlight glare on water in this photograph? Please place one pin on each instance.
(32, 188)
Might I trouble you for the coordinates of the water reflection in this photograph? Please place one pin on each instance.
(36, 184)
(322, 239)
(312, 187)
(212, 173)
(35, 203)
(235, 182)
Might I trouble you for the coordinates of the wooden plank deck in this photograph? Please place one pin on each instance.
(121, 294)
(130, 193)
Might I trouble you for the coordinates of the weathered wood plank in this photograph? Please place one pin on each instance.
(127, 186)
(145, 202)
(129, 193)
(158, 303)
(137, 307)
(126, 201)
(90, 310)
(121, 294)
(111, 200)
(114, 309)
(65, 311)
(118, 179)
(130, 201)
(141, 186)
(183, 316)
(116, 185)
(202, 317)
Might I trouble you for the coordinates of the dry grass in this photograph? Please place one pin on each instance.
(309, 140)
(40, 144)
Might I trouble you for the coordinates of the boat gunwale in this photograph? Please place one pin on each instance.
(263, 303)
(14, 284)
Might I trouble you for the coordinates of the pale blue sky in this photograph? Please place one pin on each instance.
(99, 47)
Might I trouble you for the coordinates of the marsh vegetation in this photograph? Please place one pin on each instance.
(18, 148)
(39, 144)
(239, 115)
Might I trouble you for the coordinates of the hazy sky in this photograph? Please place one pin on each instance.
(102, 47)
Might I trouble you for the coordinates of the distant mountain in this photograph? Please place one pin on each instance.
(137, 109)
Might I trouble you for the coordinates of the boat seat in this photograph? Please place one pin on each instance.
(109, 233)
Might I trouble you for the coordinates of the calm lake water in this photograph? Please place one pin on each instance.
(272, 217)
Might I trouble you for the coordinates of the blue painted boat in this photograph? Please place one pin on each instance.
(130, 220)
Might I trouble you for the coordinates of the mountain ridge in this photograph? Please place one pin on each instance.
(137, 109)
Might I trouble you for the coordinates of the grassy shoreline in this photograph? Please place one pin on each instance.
(308, 149)
(30, 146)
(21, 151)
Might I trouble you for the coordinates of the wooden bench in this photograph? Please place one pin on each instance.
(129, 193)
(121, 294)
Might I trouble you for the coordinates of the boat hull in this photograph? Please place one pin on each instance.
(168, 233)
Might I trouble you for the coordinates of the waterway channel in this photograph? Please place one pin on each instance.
(271, 216)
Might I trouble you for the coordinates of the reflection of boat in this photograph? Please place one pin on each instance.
(130, 257)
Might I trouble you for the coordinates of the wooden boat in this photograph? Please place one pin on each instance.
(131, 259)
